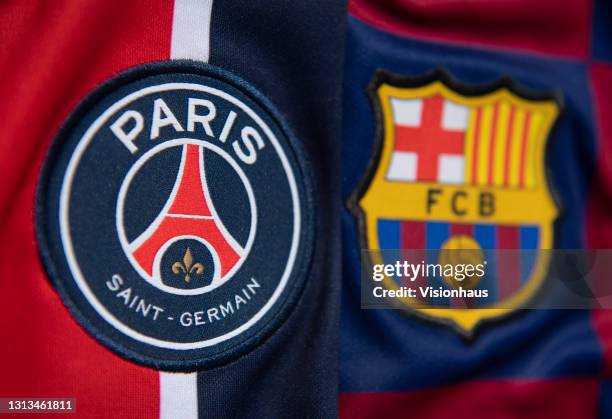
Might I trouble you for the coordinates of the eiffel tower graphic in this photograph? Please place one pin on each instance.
(189, 213)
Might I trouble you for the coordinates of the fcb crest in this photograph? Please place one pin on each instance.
(460, 167)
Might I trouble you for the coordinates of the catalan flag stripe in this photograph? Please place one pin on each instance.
(484, 143)
(508, 146)
(501, 134)
(537, 119)
(515, 152)
(501, 145)
(493, 143)
(524, 146)
(473, 126)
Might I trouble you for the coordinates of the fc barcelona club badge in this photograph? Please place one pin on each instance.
(460, 166)
(175, 216)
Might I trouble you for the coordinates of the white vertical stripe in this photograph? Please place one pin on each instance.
(178, 396)
(178, 392)
(191, 29)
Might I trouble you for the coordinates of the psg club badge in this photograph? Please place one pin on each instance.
(175, 216)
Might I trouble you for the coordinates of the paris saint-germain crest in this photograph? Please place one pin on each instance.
(175, 216)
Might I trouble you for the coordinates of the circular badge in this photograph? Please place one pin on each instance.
(175, 216)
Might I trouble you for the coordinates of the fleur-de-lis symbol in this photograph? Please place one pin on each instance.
(187, 267)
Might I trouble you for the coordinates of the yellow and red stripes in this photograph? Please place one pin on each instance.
(500, 147)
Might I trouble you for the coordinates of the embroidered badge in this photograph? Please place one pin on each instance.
(461, 167)
(175, 216)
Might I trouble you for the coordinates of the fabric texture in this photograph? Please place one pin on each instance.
(533, 363)
(52, 57)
